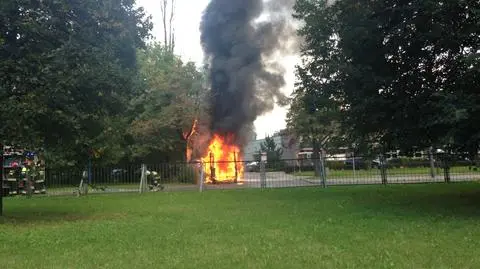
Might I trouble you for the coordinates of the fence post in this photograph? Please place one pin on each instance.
(143, 179)
(89, 170)
(446, 167)
(83, 187)
(432, 163)
(383, 169)
(202, 176)
(324, 171)
(263, 176)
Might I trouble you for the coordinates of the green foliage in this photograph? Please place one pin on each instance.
(185, 174)
(67, 68)
(407, 162)
(173, 96)
(335, 165)
(404, 73)
(76, 77)
(313, 116)
(274, 152)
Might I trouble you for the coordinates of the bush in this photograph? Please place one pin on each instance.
(63, 177)
(275, 166)
(407, 163)
(292, 168)
(360, 163)
(185, 174)
(178, 173)
(336, 165)
(289, 169)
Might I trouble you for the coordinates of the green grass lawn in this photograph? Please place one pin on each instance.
(390, 172)
(401, 226)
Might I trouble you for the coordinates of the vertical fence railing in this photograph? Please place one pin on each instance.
(201, 180)
(446, 167)
(383, 169)
(329, 171)
(263, 175)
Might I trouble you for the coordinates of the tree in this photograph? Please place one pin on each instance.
(274, 153)
(173, 101)
(168, 16)
(66, 68)
(401, 71)
(315, 119)
(313, 116)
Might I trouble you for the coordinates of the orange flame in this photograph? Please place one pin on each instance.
(222, 161)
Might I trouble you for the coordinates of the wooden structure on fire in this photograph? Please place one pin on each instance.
(213, 172)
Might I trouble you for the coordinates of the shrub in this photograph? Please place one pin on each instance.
(407, 163)
(179, 173)
(275, 166)
(185, 174)
(335, 165)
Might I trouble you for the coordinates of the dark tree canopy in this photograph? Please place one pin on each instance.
(66, 70)
(173, 98)
(404, 73)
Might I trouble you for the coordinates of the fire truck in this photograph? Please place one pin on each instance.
(23, 172)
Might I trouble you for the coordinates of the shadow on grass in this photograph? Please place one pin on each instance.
(42, 217)
(434, 200)
(458, 200)
(53, 215)
(50, 217)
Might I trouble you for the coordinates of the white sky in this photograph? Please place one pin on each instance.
(187, 23)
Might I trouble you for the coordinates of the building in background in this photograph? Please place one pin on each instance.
(287, 142)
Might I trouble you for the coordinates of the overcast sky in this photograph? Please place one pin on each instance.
(188, 46)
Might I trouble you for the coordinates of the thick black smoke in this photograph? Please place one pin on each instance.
(243, 41)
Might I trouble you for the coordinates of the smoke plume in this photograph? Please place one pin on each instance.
(243, 41)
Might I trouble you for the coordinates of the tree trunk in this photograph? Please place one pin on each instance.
(164, 18)
(432, 162)
(316, 157)
(171, 42)
(186, 136)
(167, 21)
(474, 157)
(188, 152)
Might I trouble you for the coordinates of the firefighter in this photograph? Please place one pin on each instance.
(24, 179)
(28, 171)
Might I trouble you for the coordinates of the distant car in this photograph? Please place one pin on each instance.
(358, 162)
(252, 167)
(119, 172)
(376, 163)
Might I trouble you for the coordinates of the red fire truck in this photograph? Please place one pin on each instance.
(23, 172)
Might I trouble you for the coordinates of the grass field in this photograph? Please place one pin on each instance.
(401, 226)
(332, 174)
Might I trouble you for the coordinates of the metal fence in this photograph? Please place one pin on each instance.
(323, 172)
